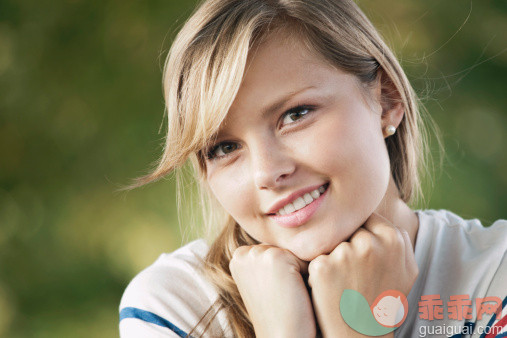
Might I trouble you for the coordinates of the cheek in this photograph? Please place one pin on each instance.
(351, 147)
(232, 189)
(363, 170)
(352, 154)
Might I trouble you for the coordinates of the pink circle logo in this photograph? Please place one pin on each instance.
(390, 308)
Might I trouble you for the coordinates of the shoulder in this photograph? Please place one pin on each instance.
(461, 255)
(457, 257)
(169, 297)
(448, 218)
(179, 271)
(456, 252)
(468, 234)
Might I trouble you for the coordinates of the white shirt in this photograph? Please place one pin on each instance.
(454, 256)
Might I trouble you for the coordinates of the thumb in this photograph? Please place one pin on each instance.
(301, 264)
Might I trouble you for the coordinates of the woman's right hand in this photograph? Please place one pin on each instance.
(271, 285)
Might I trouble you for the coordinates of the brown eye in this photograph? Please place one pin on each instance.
(295, 114)
(222, 149)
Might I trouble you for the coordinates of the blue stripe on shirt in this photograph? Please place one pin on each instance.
(471, 325)
(493, 318)
(150, 317)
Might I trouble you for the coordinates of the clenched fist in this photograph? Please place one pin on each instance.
(271, 285)
(378, 257)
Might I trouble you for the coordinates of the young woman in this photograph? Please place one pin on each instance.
(307, 141)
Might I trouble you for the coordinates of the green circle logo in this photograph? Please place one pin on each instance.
(387, 312)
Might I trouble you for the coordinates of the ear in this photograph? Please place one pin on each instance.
(390, 101)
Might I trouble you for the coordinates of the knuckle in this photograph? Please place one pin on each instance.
(393, 236)
(240, 252)
(272, 250)
(391, 232)
(342, 252)
(364, 240)
(374, 220)
(273, 254)
(318, 266)
(255, 251)
(238, 257)
(365, 251)
(364, 245)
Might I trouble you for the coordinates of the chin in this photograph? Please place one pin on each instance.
(309, 245)
(307, 257)
(309, 253)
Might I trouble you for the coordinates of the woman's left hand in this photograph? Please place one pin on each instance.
(378, 257)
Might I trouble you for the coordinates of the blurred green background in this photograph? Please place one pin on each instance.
(80, 110)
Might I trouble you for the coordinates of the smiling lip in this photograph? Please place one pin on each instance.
(301, 216)
(291, 198)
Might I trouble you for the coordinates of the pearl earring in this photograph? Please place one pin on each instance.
(390, 130)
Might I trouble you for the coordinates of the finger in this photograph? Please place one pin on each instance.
(359, 233)
(258, 249)
(387, 232)
(383, 228)
(301, 265)
(240, 251)
(361, 239)
(378, 224)
(411, 266)
(409, 249)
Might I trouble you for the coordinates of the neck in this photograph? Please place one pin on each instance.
(398, 212)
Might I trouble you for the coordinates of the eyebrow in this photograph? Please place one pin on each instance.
(266, 111)
(280, 102)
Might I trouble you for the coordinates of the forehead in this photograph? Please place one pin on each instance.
(280, 66)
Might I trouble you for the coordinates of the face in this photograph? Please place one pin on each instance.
(388, 311)
(297, 126)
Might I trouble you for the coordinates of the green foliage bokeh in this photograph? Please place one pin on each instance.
(80, 110)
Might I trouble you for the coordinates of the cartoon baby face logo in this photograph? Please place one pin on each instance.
(384, 315)
(390, 308)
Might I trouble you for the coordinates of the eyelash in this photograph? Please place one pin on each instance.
(297, 108)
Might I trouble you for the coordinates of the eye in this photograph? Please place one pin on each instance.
(221, 150)
(295, 114)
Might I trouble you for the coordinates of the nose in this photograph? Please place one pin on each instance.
(272, 164)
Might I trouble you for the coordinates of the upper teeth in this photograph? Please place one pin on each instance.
(301, 202)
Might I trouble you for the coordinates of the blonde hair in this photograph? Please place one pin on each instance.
(203, 73)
